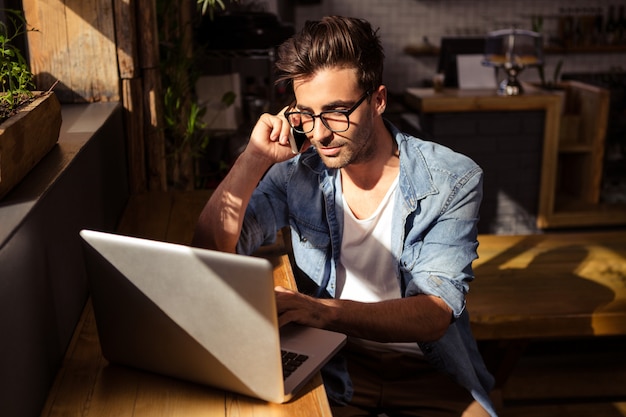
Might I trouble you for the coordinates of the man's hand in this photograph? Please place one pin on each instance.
(418, 318)
(302, 309)
(221, 219)
(270, 138)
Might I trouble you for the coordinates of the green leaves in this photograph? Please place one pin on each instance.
(15, 76)
(210, 5)
(228, 99)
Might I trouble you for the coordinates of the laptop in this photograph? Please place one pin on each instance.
(198, 315)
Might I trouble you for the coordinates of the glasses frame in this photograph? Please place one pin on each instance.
(346, 113)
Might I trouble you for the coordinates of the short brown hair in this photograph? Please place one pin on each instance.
(334, 41)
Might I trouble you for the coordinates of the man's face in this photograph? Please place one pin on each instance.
(337, 89)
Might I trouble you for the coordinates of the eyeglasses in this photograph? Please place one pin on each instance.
(335, 120)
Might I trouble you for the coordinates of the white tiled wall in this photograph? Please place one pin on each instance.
(404, 22)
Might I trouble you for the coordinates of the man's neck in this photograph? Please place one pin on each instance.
(384, 164)
(365, 184)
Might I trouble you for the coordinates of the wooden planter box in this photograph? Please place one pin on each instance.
(27, 137)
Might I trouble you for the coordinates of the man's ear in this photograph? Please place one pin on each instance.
(380, 99)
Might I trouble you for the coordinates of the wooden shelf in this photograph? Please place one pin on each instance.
(579, 166)
(421, 50)
(574, 148)
(585, 49)
(571, 212)
(431, 50)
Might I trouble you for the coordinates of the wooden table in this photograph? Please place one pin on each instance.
(87, 385)
(549, 285)
(527, 287)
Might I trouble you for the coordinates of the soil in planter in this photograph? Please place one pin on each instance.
(6, 110)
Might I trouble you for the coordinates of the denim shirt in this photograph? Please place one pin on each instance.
(434, 239)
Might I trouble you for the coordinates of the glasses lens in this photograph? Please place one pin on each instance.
(301, 122)
(335, 121)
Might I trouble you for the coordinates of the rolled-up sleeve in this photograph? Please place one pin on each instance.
(266, 212)
(438, 261)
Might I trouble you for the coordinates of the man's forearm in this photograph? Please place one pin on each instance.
(418, 318)
(220, 221)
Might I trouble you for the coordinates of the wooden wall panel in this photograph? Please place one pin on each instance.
(75, 44)
(106, 50)
(153, 130)
(149, 38)
(132, 102)
(126, 35)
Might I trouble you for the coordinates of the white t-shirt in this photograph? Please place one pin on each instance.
(370, 275)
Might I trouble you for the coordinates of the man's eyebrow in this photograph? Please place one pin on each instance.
(329, 106)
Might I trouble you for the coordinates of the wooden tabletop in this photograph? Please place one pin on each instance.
(427, 100)
(549, 285)
(87, 385)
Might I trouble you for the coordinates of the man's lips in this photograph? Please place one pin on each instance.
(329, 150)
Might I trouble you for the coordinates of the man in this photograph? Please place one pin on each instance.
(382, 224)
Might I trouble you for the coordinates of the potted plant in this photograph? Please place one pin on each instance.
(550, 84)
(186, 131)
(30, 121)
(210, 5)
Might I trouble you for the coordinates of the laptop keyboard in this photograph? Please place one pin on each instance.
(291, 362)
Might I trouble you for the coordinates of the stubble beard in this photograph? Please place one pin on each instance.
(359, 150)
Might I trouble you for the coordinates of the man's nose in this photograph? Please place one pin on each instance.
(320, 131)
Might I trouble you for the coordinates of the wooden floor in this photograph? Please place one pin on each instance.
(573, 378)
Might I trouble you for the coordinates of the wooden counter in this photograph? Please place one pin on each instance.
(572, 150)
(428, 101)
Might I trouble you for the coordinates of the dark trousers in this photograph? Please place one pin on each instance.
(398, 384)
